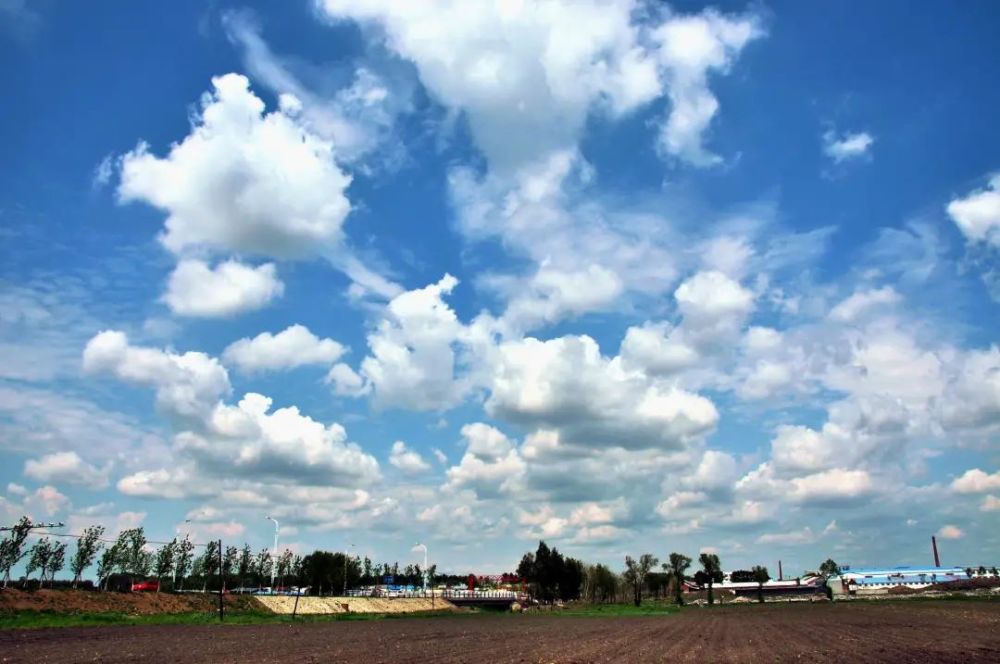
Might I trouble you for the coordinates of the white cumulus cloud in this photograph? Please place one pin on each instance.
(187, 385)
(243, 180)
(407, 460)
(293, 347)
(846, 146)
(977, 215)
(976, 481)
(196, 289)
(951, 532)
(66, 468)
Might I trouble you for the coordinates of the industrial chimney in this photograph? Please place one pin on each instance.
(937, 560)
(781, 577)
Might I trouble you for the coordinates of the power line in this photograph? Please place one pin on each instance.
(32, 526)
(108, 541)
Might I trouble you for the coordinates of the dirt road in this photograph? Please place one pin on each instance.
(872, 632)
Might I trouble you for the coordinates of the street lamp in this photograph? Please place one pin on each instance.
(345, 571)
(424, 547)
(274, 556)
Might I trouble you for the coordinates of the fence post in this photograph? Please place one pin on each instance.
(298, 592)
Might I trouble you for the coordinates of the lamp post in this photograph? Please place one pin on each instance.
(274, 555)
(345, 570)
(424, 547)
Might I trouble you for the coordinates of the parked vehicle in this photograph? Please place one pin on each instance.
(149, 585)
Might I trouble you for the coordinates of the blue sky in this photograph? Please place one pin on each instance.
(622, 276)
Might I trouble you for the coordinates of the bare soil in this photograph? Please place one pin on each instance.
(139, 604)
(966, 632)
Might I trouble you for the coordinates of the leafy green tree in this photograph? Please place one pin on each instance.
(164, 561)
(87, 547)
(829, 568)
(551, 575)
(324, 570)
(133, 558)
(12, 547)
(244, 565)
(635, 574)
(56, 561)
(262, 565)
(107, 564)
(677, 569)
(760, 576)
(712, 569)
(210, 562)
(601, 584)
(38, 559)
(284, 566)
(229, 563)
(183, 556)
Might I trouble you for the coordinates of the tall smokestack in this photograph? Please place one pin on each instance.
(781, 577)
(937, 560)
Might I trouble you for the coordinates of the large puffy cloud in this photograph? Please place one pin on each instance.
(229, 288)
(976, 481)
(187, 385)
(553, 294)
(713, 302)
(657, 349)
(66, 468)
(293, 347)
(713, 308)
(491, 464)
(527, 75)
(689, 48)
(414, 358)
(407, 460)
(40, 504)
(245, 442)
(566, 384)
(836, 486)
(243, 180)
(247, 439)
(977, 215)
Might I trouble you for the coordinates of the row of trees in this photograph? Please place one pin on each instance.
(178, 563)
(552, 576)
(549, 574)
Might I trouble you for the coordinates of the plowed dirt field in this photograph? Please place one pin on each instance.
(863, 631)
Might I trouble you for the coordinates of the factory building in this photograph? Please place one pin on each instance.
(877, 581)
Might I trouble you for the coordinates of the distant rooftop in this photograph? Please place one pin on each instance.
(903, 569)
